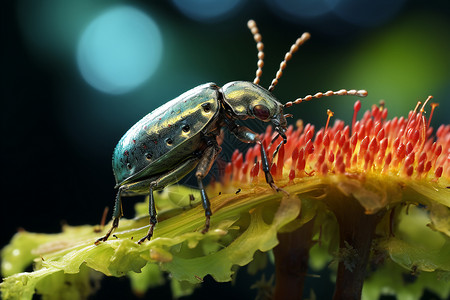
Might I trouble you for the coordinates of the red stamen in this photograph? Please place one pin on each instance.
(355, 128)
(369, 126)
(412, 114)
(228, 171)
(380, 134)
(294, 156)
(410, 159)
(291, 175)
(319, 138)
(238, 161)
(234, 155)
(336, 139)
(377, 128)
(420, 167)
(309, 134)
(254, 173)
(356, 108)
(366, 116)
(346, 146)
(339, 159)
(354, 140)
(383, 146)
(326, 140)
(249, 155)
(409, 148)
(331, 157)
(346, 131)
(438, 172)
(387, 162)
(409, 171)
(301, 160)
(324, 169)
(255, 169)
(438, 151)
(422, 109)
(373, 146)
(362, 131)
(423, 157)
(330, 114)
(364, 145)
(433, 106)
(375, 111)
(244, 172)
(384, 114)
(273, 170)
(401, 151)
(309, 148)
(321, 157)
(440, 131)
(280, 161)
(367, 160)
(396, 143)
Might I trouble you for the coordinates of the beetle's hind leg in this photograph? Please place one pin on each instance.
(152, 213)
(116, 217)
(206, 161)
(169, 178)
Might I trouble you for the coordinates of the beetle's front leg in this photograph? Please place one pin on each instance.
(246, 135)
(206, 161)
(116, 217)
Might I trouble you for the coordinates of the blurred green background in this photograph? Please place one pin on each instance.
(78, 74)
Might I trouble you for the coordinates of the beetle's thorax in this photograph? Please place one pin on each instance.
(248, 100)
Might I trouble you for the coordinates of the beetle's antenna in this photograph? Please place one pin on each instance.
(260, 46)
(305, 36)
(360, 93)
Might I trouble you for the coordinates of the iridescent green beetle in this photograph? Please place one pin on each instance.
(181, 135)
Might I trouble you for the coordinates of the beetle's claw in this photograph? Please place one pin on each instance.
(276, 188)
(207, 222)
(147, 237)
(149, 234)
(144, 238)
(98, 241)
(106, 236)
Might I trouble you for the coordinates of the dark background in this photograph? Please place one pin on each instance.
(58, 131)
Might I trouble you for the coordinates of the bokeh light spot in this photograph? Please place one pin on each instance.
(304, 8)
(207, 10)
(368, 12)
(119, 50)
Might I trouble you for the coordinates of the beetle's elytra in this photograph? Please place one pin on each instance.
(181, 135)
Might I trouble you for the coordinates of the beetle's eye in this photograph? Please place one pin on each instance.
(261, 112)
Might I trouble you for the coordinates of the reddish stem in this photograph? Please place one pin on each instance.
(356, 230)
(291, 262)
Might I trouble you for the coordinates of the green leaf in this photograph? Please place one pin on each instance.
(241, 225)
(391, 279)
(417, 246)
(150, 276)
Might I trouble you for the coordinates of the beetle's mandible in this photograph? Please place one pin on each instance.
(181, 135)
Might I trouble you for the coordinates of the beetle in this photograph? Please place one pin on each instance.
(181, 135)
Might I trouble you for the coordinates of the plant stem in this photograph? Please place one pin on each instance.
(356, 229)
(291, 262)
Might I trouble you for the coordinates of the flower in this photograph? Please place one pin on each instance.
(359, 193)
(365, 174)
(401, 147)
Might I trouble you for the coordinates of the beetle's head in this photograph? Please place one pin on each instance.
(244, 99)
